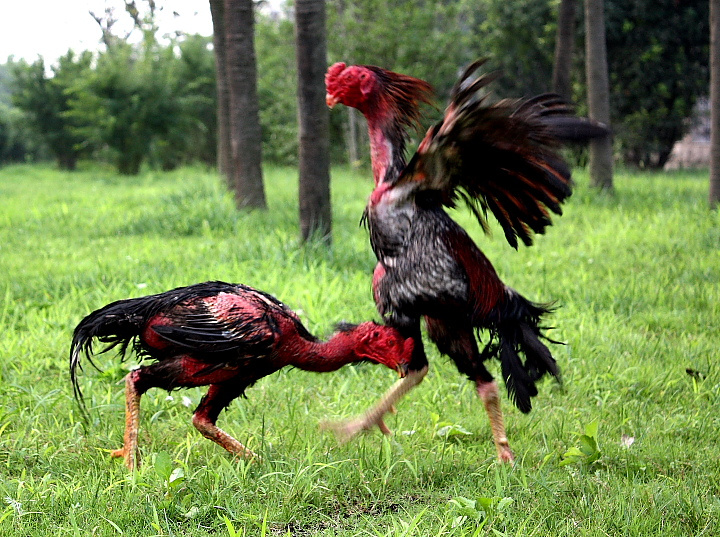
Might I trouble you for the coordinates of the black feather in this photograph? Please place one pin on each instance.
(519, 334)
(120, 324)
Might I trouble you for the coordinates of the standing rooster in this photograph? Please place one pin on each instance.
(502, 157)
(223, 335)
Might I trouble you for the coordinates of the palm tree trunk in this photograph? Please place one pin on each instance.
(601, 156)
(245, 135)
(217, 10)
(313, 119)
(714, 195)
(564, 46)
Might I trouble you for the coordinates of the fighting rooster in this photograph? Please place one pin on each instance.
(223, 335)
(499, 156)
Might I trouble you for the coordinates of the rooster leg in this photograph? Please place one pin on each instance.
(347, 430)
(206, 414)
(488, 392)
(129, 451)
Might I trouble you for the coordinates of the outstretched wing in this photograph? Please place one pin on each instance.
(501, 156)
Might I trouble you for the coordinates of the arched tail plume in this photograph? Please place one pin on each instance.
(116, 325)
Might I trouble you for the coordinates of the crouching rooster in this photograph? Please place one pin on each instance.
(223, 335)
(499, 156)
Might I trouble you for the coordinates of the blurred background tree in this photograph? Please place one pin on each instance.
(658, 59)
(44, 99)
(17, 141)
(152, 101)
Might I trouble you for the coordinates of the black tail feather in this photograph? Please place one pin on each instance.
(117, 325)
(577, 130)
(519, 332)
(520, 386)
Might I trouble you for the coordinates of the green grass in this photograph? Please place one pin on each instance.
(635, 276)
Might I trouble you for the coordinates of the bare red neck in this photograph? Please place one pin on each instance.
(320, 356)
(387, 144)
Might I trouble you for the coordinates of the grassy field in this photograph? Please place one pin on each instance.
(628, 445)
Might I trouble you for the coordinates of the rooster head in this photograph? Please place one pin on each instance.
(351, 86)
(373, 89)
(380, 344)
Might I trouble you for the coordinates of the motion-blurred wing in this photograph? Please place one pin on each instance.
(500, 156)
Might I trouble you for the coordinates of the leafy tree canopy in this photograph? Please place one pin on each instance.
(44, 99)
(658, 54)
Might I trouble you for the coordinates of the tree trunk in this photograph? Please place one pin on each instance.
(564, 46)
(601, 155)
(245, 136)
(67, 161)
(313, 119)
(714, 195)
(217, 10)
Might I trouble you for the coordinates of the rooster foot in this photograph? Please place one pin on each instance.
(246, 454)
(132, 460)
(349, 429)
(505, 454)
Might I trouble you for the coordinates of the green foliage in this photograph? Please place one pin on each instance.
(6, 77)
(431, 40)
(135, 100)
(657, 56)
(587, 451)
(192, 137)
(45, 101)
(480, 511)
(277, 88)
(17, 143)
(519, 39)
(658, 62)
(633, 275)
(117, 106)
(156, 103)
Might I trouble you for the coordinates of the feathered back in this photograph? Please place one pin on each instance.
(198, 318)
(500, 156)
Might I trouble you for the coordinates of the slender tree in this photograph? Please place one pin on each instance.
(46, 102)
(564, 45)
(313, 119)
(217, 10)
(601, 156)
(714, 196)
(245, 163)
(350, 128)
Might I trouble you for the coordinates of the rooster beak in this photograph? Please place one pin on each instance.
(331, 100)
(402, 370)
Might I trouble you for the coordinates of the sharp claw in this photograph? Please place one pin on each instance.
(130, 461)
(384, 428)
(343, 430)
(248, 455)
